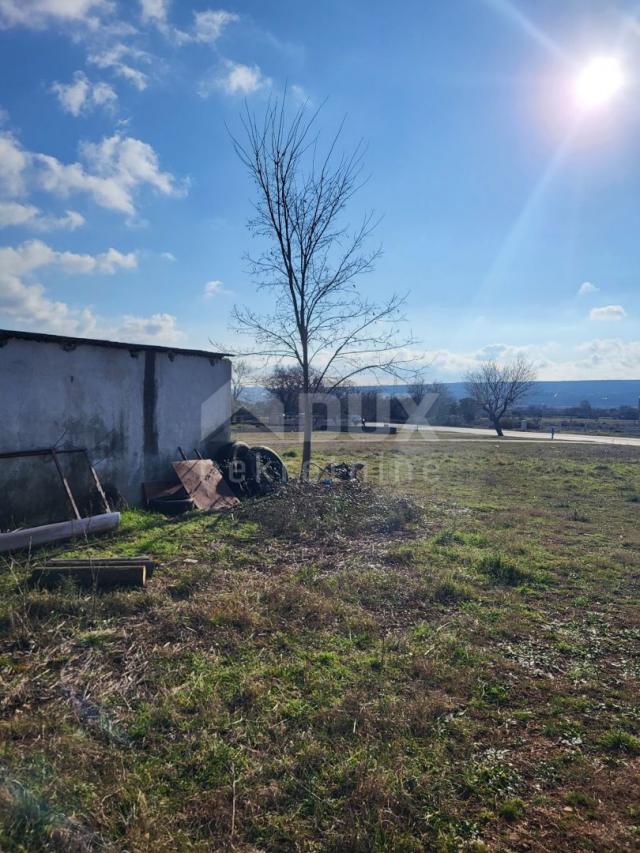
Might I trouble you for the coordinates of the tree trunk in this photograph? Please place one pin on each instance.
(307, 408)
(306, 441)
(497, 427)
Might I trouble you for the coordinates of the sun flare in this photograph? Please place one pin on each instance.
(598, 82)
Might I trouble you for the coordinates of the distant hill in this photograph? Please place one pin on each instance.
(601, 393)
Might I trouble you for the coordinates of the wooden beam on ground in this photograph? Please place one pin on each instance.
(99, 577)
(145, 561)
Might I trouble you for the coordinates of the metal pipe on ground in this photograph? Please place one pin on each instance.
(31, 537)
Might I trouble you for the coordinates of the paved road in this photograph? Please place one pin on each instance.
(530, 436)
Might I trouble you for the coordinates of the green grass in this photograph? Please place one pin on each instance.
(501, 571)
(443, 658)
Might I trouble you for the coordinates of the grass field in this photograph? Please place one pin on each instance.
(444, 658)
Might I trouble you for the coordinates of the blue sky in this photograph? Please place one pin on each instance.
(510, 215)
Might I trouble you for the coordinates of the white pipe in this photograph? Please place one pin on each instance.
(33, 536)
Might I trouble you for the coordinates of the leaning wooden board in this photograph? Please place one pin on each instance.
(204, 484)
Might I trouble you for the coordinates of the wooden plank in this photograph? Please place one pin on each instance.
(98, 484)
(30, 537)
(40, 451)
(65, 483)
(205, 484)
(88, 563)
(147, 562)
(101, 577)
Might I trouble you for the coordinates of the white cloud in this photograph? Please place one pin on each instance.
(299, 94)
(81, 95)
(156, 329)
(208, 25)
(212, 288)
(36, 14)
(608, 312)
(168, 256)
(236, 79)
(586, 288)
(13, 164)
(13, 213)
(25, 301)
(112, 173)
(602, 358)
(34, 254)
(112, 260)
(103, 95)
(113, 58)
(612, 358)
(154, 10)
(206, 29)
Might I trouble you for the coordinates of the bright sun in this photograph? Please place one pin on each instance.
(598, 82)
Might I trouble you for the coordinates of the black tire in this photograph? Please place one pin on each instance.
(225, 453)
(271, 471)
(238, 466)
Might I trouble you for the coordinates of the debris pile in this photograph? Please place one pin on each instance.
(238, 471)
(344, 471)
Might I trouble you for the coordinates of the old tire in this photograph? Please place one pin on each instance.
(271, 471)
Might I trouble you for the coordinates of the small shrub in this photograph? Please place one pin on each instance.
(448, 537)
(25, 821)
(494, 693)
(449, 592)
(501, 571)
(290, 454)
(511, 810)
(617, 740)
(580, 800)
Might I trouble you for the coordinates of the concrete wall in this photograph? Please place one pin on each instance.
(130, 408)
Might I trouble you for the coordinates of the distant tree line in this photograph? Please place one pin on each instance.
(285, 384)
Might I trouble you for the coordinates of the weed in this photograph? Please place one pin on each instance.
(450, 592)
(501, 571)
(448, 537)
(511, 810)
(580, 800)
(617, 740)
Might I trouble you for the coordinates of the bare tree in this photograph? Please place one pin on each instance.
(241, 372)
(319, 321)
(417, 389)
(496, 388)
(440, 409)
(286, 383)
